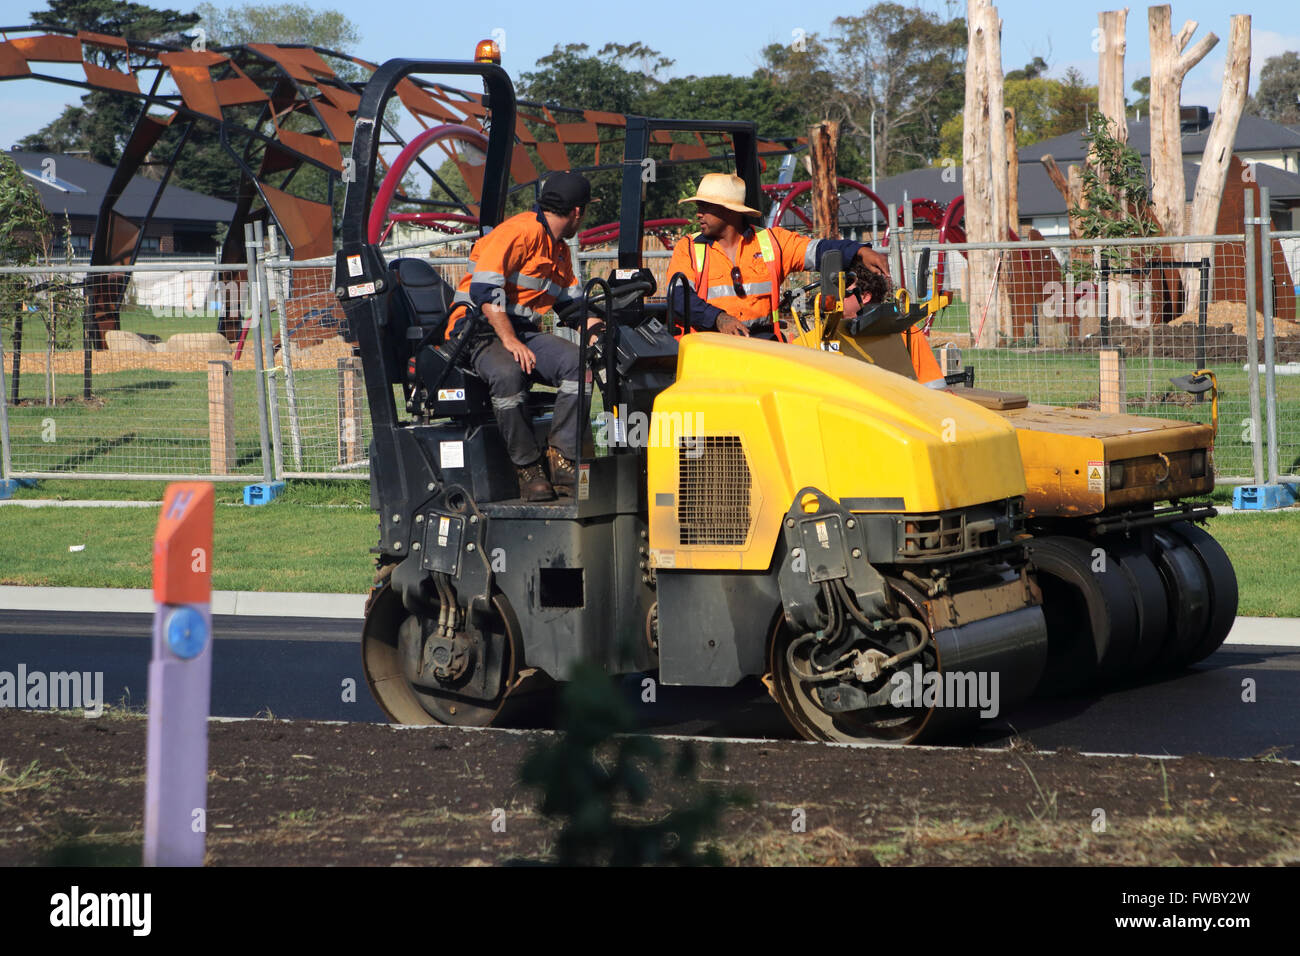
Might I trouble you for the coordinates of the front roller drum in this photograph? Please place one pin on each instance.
(964, 673)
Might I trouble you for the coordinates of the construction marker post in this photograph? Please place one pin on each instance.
(180, 679)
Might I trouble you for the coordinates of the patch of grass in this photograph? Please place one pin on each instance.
(1262, 550)
(279, 547)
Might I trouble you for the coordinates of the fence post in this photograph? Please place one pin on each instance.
(6, 466)
(290, 392)
(1270, 379)
(1113, 384)
(1252, 343)
(349, 402)
(267, 344)
(255, 306)
(221, 417)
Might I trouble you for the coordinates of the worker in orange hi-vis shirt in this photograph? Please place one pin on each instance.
(736, 270)
(518, 271)
(867, 287)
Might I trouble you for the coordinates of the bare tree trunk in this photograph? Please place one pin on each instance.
(998, 164)
(976, 175)
(1169, 64)
(1110, 70)
(1217, 158)
(823, 145)
(1110, 100)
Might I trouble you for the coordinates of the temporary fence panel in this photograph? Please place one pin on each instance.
(1107, 324)
(150, 389)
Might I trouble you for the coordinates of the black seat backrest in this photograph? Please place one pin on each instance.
(420, 302)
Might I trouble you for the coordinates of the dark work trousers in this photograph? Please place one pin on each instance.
(557, 365)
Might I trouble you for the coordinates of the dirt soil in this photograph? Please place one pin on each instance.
(300, 793)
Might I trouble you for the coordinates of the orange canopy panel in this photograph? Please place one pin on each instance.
(303, 65)
(12, 61)
(319, 148)
(238, 90)
(110, 79)
(345, 100)
(101, 39)
(339, 123)
(122, 233)
(522, 169)
(419, 101)
(50, 48)
(197, 89)
(307, 225)
(554, 156)
(576, 133)
(688, 151)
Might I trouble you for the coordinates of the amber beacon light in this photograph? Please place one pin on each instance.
(487, 51)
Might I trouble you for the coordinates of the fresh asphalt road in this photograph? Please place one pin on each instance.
(304, 668)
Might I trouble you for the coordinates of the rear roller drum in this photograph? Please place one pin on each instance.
(1187, 592)
(1148, 592)
(1221, 582)
(1092, 620)
(391, 637)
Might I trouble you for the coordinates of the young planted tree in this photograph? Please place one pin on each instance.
(24, 232)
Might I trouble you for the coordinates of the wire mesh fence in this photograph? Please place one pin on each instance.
(152, 371)
(1107, 325)
(127, 373)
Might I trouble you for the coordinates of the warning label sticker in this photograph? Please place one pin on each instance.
(662, 559)
(451, 454)
(584, 482)
(354, 266)
(1096, 476)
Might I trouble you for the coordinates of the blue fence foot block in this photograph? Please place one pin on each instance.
(7, 488)
(1263, 497)
(263, 493)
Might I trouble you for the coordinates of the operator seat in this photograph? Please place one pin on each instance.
(418, 306)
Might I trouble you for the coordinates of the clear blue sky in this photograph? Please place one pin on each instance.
(708, 38)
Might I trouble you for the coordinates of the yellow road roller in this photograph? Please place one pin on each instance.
(856, 540)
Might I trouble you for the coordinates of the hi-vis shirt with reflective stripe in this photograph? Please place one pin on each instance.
(765, 258)
(520, 267)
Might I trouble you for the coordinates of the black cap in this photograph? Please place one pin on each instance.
(565, 189)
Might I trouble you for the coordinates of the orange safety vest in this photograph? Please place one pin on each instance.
(771, 256)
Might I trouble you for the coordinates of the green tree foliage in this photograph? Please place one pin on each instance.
(100, 126)
(595, 772)
(1279, 88)
(906, 64)
(1044, 108)
(278, 23)
(1142, 87)
(1114, 188)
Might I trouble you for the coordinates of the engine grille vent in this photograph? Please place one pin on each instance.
(713, 484)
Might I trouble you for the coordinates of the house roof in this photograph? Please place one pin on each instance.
(1254, 134)
(1036, 195)
(76, 187)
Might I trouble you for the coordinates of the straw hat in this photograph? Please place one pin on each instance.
(722, 189)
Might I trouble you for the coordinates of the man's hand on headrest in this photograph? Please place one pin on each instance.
(873, 260)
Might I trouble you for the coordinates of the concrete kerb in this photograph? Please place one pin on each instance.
(1259, 631)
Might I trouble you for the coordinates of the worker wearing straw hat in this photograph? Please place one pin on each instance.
(736, 270)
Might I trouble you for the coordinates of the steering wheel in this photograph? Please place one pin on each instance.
(627, 293)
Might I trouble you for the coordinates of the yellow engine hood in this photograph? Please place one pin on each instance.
(870, 438)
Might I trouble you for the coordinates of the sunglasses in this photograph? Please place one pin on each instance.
(736, 282)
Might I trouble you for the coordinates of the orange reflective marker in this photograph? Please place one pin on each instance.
(182, 545)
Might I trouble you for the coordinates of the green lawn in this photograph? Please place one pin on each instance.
(278, 547)
(316, 538)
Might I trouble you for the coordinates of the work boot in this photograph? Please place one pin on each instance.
(563, 472)
(533, 485)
